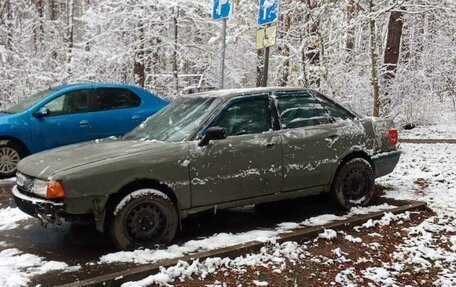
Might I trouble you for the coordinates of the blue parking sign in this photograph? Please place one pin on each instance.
(268, 12)
(221, 9)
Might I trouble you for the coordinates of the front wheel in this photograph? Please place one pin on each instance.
(354, 183)
(10, 155)
(145, 217)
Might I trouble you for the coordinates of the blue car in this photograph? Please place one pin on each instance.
(70, 114)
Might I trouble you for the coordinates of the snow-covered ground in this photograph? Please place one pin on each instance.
(425, 172)
(444, 130)
(17, 268)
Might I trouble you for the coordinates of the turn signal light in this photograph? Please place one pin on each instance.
(55, 190)
(393, 137)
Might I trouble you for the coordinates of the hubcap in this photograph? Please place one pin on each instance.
(145, 222)
(356, 184)
(9, 158)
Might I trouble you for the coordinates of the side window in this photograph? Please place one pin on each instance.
(246, 116)
(71, 103)
(112, 99)
(298, 110)
(334, 109)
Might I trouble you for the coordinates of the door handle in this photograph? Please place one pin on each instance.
(136, 117)
(331, 137)
(269, 145)
(84, 123)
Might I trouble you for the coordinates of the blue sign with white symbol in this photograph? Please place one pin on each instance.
(268, 12)
(221, 9)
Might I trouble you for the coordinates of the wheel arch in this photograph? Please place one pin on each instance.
(115, 198)
(19, 142)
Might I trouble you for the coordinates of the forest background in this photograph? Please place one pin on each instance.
(394, 58)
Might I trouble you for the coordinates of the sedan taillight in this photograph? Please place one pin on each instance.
(393, 136)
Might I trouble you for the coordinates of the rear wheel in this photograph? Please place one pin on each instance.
(353, 184)
(145, 217)
(10, 154)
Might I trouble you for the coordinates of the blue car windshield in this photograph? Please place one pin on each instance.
(28, 102)
(177, 121)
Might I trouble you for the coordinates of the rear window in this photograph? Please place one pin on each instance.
(112, 99)
(298, 110)
(337, 111)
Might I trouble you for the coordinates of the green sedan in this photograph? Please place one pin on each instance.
(210, 151)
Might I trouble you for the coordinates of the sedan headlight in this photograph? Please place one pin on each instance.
(40, 187)
(48, 189)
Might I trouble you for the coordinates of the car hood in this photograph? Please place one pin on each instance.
(46, 164)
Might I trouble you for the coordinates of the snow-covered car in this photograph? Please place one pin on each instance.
(212, 150)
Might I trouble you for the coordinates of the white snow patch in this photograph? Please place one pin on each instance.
(260, 283)
(274, 256)
(11, 217)
(328, 234)
(185, 163)
(353, 239)
(17, 268)
(220, 240)
(379, 275)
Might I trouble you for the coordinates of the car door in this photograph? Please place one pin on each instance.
(247, 164)
(117, 111)
(311, 141)
(67, 121)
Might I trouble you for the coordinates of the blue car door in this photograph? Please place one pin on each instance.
(68, 121)
(118, 111)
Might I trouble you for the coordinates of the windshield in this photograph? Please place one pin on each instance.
(28, 102)
(176, 122)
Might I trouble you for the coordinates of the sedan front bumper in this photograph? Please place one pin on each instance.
(45, 210)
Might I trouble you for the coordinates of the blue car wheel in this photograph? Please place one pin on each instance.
(10, 155)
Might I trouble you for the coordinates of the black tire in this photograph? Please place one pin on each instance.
(10, 154)
(145, 217)
(353, 184)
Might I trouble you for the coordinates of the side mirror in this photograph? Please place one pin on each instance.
(42, 112)
(213, 133)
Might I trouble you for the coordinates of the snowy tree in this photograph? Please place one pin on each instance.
(395, 57)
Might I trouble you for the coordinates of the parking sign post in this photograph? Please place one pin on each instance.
(267, 14)
(222, 11)
(222, 65)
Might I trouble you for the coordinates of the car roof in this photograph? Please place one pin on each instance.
(92, 85)
(233, 93)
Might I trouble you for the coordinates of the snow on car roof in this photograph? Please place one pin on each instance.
(231, 93)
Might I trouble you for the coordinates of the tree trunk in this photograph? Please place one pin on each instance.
(9, 25)
(350, 34)
(285, 51)
(70, 8)
(139, 67)
(39, 29)
(259, 68)
(391, 56)
(313, 47)
(393, 45)
(175, 64)
(373, 55)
